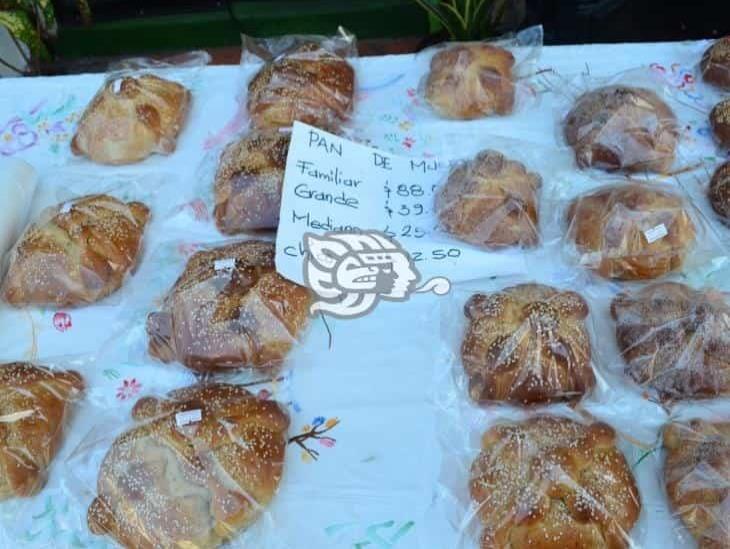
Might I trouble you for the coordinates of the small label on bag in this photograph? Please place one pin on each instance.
(656, 233)
(227, 264)
(66, 207)
(189, 416)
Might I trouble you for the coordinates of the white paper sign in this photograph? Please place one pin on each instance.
(333, 184)
(227, 264)
(656, 233)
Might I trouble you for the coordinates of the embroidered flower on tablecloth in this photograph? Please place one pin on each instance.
(16, 136)
(62, 321)
(315, 431)
(128, 389)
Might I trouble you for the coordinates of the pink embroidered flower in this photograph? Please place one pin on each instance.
(17, 136)
(200, 211)
(128, 389)
(327, 442)
(186, 249)
(62, 321)
(264, 394)
(408, 142)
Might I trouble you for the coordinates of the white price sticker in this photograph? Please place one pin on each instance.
(227, 264)
(66, 207)
(656, 233)
(188, 417)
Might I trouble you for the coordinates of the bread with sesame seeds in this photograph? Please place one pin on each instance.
(470, 81)
(491, 201)
(715, 63)
(631, 231)
(131, 118)
(527, 344)
(720, 122)
(697, 477)
(34, 405)
(622, 128)
(551, 483)
(248, 182)
(675, 340)
(308, 83)
(198, 468)
(77, 252)
(229, 309)
(719, 192)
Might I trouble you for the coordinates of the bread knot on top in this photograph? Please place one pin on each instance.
(550, 482)
(675, 340)
(527, 344)
(471, 81)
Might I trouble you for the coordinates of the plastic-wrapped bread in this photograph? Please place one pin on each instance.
(77, 252)
(130, 118)
(469, 81)
(552, 483)
(491, 201)
(527, 344)
(198, 467)
(229, 309)
(622, 128)
(715, 63)
(675, 340)
(308, 83)
(631, 231)
(248, 182)
(697, 476)
(34, 405)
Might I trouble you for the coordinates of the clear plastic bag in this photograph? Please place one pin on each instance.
(522, 342)
(622, 123)
(538, 480)
(140, 110)
(36, 405)
(248, 182)
(674, 340)
(304, 78)
(635, 230)
(472, 80)
(491, 201)
(18, 182)
(696, 476)
(229, 309)
(76, 252)
(197, 468)
(715, 63)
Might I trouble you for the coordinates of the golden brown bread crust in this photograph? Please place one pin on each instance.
(715, 64)
(308, 84)
(77, 253)
(720, 122)
(675, 340)
(697, 476)
(34, 406)
(527, 344)
(552, 483)
(131, 118)
(471, 81)
(247, 316)
(248, 182)
(491, 201)
(165, 483)
(719, 192)
(622, 128)
(608, 227)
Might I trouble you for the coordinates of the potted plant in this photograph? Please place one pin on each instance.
(463, 20)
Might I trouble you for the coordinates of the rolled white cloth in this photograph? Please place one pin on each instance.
(18, 182)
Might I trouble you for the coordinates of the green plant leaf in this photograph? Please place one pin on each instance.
(20, 26)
